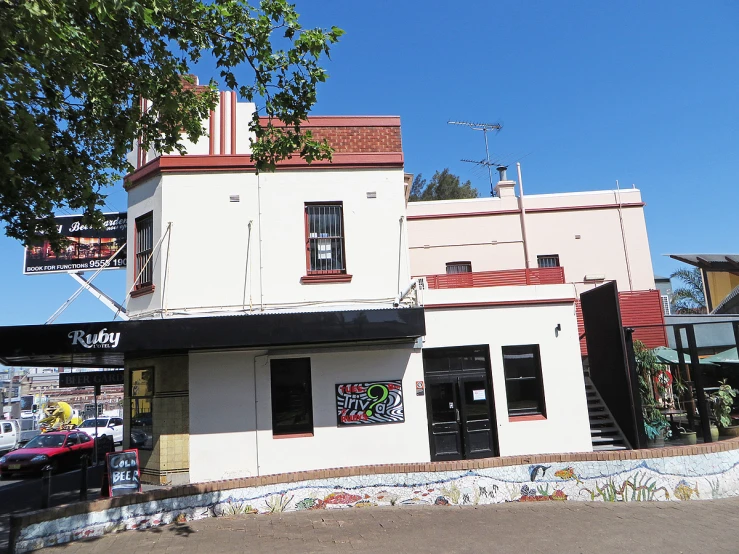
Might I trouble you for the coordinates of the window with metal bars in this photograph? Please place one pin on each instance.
(550, 260)
(324, 227)
(458, 267)
(144, 247)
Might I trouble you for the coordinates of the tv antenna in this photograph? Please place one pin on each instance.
(484, 127)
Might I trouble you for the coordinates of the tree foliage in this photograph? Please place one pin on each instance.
(74, 71)
(444, 185)
(689, 299)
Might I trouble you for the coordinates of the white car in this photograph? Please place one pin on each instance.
(112, 426)
(10, 435)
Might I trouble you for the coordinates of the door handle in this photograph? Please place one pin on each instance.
(457, 411)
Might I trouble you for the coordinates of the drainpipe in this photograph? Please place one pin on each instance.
(413, 284)
(523, 217)
(617, 195)
(259, 228)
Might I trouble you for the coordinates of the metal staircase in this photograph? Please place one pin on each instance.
(604, 431)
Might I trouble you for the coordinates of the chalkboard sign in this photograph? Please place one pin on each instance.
(123, 472)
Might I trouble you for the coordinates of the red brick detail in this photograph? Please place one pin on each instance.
(148, 289)
(326, 278)
(242, 162)
(360, 139)
(355, 134)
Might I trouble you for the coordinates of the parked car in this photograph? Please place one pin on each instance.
(112, 426)
(10, 435)
(140, 438)
(58, 449)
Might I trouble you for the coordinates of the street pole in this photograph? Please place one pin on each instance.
(95, 450)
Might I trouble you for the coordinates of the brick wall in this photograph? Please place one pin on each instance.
(356, 134)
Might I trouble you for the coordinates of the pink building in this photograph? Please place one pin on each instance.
(582, 239)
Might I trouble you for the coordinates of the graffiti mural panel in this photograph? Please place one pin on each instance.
(368, 403)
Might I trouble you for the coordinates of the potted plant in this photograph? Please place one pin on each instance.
(656, 426)
(722, 401)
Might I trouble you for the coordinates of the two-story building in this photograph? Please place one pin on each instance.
(276, 322)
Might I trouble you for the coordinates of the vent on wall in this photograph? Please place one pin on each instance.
(234, 198)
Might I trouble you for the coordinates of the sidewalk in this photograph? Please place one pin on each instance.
(696, 526)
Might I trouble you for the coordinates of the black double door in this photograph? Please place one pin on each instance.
(459, 403)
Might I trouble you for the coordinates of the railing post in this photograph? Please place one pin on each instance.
(84, 462)
(528, 278)
(45, 487)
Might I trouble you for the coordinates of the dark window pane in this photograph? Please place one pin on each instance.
(144, 246)
(524, 388)
(141, 431)
(142, 382)
(548, 261)
(458, 267)
(292, 403)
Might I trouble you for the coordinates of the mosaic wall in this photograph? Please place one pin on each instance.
(680, 478)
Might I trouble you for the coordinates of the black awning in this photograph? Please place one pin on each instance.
(105, 344)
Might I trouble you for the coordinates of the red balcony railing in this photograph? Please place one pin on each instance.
(505, 277)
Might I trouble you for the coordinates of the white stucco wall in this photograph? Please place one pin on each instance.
(205, 255)
(492, 239)
(229, 439)
(145, 198)
(566, 427)
(222, 416)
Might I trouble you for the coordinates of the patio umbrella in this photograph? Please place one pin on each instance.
(726, 357)
(670, 356)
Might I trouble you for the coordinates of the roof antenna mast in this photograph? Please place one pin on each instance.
(484, 127)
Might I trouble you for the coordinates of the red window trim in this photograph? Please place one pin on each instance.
(534, 417)
(315, 278)
(293, 436)
(142, 291)
(323, 275)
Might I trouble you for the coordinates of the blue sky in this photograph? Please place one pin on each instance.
(587, 92)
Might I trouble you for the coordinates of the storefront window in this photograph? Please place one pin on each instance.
(523, 383)
(292, 402)
(142, 398)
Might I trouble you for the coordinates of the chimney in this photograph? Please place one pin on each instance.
(505, 188)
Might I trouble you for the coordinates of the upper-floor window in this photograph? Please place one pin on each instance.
(143, 272)
(550, 260)
(523, 382)
(458, 267)
(665, 304)
(324, 229)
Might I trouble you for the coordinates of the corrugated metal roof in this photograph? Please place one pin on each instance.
(726, 357)
(726, 262)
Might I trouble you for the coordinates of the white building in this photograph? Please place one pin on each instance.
(275, 325)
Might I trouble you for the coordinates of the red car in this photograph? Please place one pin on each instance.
(59, 449)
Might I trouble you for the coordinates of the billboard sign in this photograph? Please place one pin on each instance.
(88, 248)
